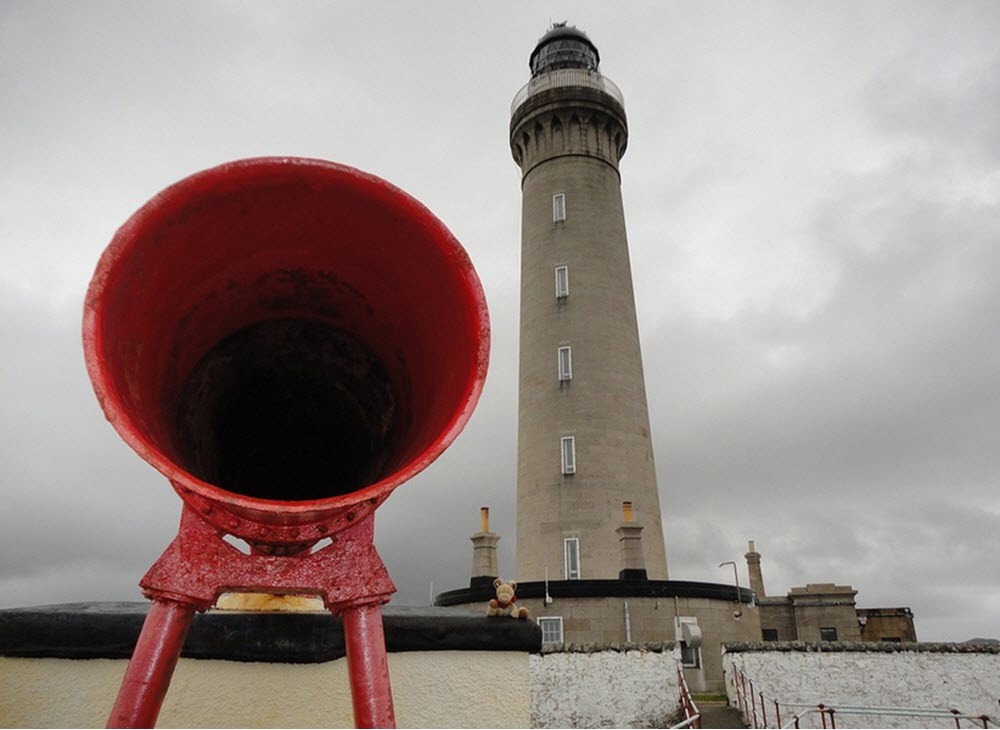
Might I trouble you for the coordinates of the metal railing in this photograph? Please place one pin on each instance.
(566, 77)
(692, 717)
(761, 711)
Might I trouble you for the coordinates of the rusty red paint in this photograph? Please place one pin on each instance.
(224, 293)
(153, 660)
(268, 238)
(364, 641)
(199, 565)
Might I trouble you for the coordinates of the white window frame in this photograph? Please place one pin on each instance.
(564, 358)
(696, 663)
(567, 454)
(558, 207)
(562, 282)
(552, 620)
(571, 546)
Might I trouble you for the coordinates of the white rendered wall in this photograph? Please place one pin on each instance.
(604, 689)
(634, 688)
(430, 689)
(969, 682)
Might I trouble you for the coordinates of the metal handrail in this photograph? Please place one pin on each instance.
(693, 721)
(692, 716)
(827, 711)
(753, 706)
(566, 77)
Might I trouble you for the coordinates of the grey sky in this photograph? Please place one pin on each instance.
(812, 194)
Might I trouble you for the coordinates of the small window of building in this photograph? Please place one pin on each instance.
(562, 282)
(828, 633)
(565, 363)
(769, 634)
(571, 547)
(568, 447)
(558, 207)
(690, 654)
(893, 639)
(552, 629)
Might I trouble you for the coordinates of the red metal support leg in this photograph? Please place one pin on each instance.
(371, 693)
(148, 675)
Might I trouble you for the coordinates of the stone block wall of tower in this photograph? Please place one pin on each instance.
(568, 138)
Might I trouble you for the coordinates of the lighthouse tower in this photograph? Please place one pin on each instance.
(584, 445)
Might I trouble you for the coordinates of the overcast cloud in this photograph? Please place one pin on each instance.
(813, 199)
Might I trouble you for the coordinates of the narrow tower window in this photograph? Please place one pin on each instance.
(558, 207)
(571, 547)
(568, 455)
(565, 363)
(562, 282)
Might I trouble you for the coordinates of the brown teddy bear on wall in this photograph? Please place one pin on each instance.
(504, 603)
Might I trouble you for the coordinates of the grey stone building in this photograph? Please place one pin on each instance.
(823, 612)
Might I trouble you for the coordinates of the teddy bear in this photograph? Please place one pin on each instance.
(504, 603)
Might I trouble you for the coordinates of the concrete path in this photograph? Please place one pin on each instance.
(719, 715)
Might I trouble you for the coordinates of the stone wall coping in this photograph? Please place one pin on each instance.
(109, 631)
(658, 647)
(809, 588)
(884, 647)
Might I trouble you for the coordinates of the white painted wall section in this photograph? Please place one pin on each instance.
(634, 688)
(966, 681)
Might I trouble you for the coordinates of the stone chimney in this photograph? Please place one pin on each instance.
(630, 538)
(753, 569)
(484, 548)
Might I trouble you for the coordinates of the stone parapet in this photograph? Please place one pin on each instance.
(568, 121)
(884, 647)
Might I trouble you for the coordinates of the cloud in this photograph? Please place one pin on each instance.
(811, 198)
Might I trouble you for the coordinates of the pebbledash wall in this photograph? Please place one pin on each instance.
(625, 685)
(965, 677)
(61, 666)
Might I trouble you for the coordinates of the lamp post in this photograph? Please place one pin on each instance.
(736, 580)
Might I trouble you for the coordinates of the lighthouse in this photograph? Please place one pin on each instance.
(584, 444)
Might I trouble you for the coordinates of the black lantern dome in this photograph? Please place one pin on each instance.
(563, 47)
